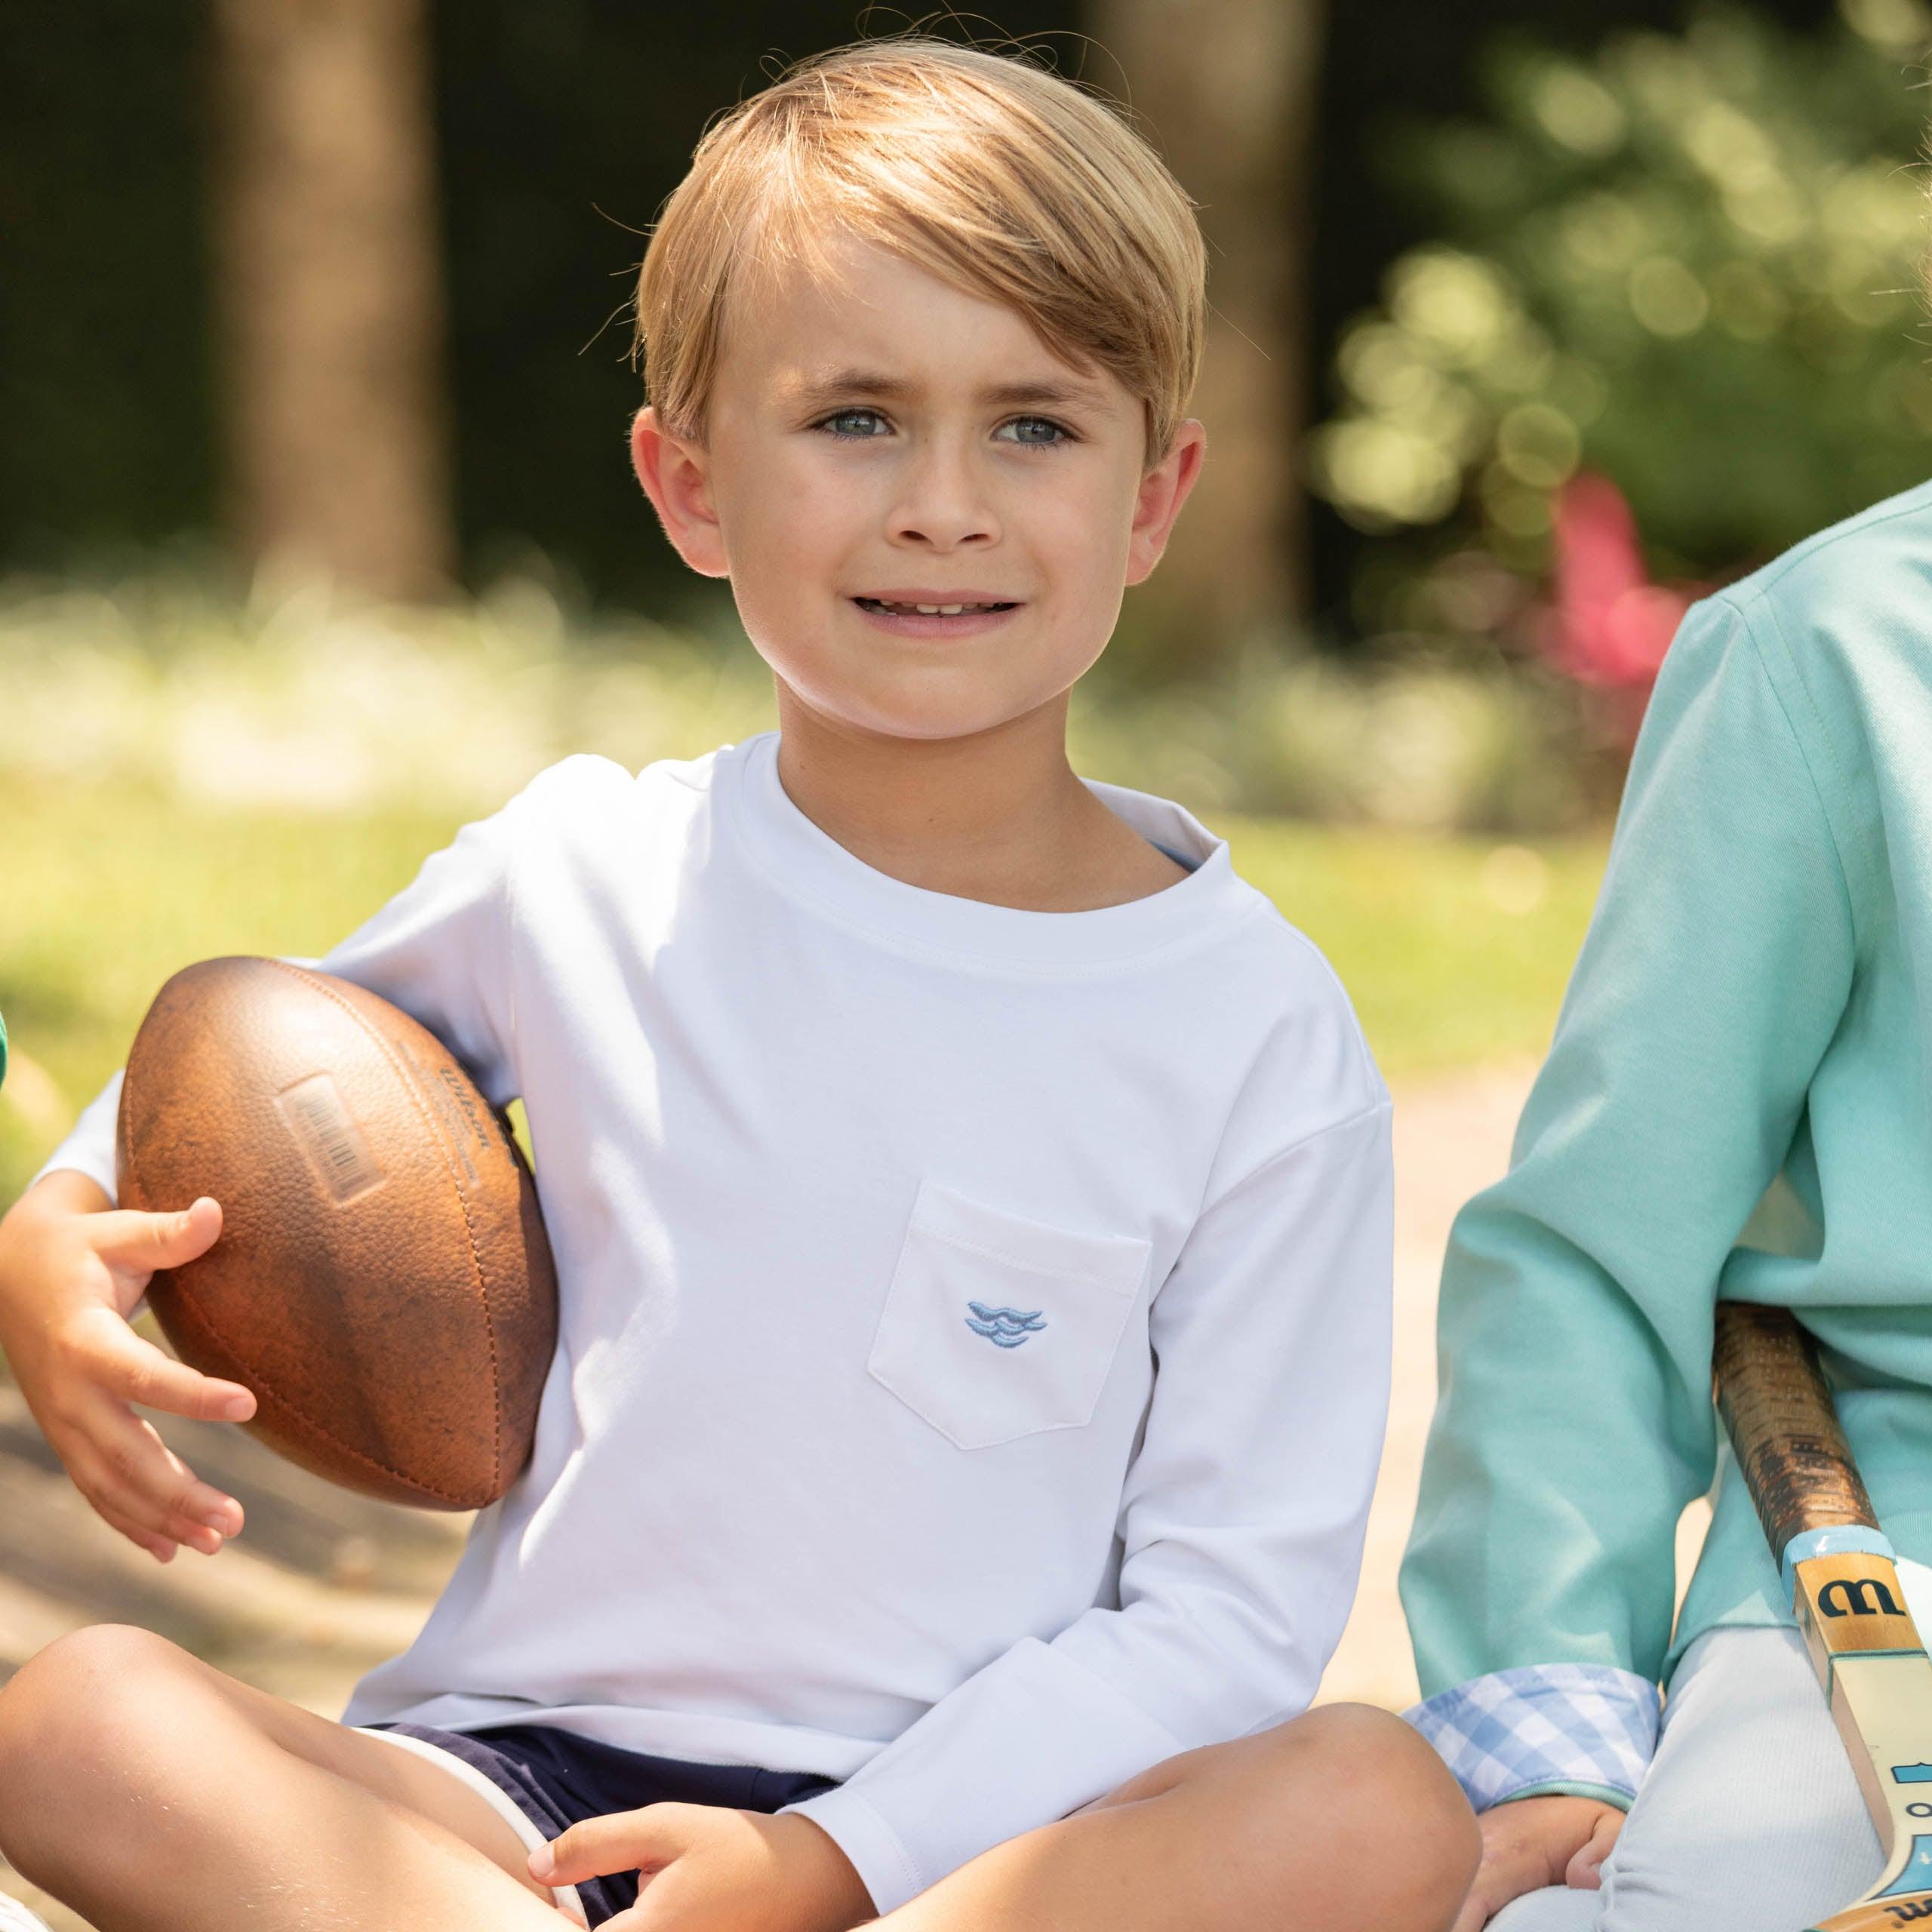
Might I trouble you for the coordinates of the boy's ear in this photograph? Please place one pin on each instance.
(676, 477)
(1163, 490)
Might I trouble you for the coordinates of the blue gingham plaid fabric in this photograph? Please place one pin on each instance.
(1543, 1726)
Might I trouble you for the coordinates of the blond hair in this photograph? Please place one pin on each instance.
(998, 177)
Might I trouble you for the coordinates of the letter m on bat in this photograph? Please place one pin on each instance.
(1859, 1592)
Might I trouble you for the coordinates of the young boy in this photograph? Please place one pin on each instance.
(970, 1199)
(1736, 1106)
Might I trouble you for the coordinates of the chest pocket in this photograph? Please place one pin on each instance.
(997, 1326)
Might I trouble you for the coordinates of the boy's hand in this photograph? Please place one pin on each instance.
(71, 1271)
(706, 1868)
(1529, 1843)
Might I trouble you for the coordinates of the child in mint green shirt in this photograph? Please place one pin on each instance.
(1737, 1103)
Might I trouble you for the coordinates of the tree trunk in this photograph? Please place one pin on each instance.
(328, 267)
(1226, 89)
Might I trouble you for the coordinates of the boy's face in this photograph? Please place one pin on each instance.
(860, 447)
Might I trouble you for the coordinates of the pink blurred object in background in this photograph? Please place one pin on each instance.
(1607, 625)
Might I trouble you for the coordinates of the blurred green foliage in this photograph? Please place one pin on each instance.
(1454, 949)
(291, 695)
(109, 888)
(1692, 262)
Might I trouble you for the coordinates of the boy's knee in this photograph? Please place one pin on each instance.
(1398, 1815)
(88, 1668)
(72, 1709)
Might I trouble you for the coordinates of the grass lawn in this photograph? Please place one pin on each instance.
(1455, 950)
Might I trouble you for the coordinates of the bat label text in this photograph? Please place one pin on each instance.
(1856, 1602)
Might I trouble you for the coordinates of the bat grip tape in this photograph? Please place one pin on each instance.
(1841, 1539)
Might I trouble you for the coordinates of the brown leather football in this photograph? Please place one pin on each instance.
(382, 1282)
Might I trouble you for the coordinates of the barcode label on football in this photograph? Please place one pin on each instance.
(326, 1131)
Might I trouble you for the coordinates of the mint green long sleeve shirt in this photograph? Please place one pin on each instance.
(1737, 1103)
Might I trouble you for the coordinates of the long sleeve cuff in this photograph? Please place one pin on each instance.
(89, 1150)
(1587, 1729)
(89, 1147)
(1032, 1737)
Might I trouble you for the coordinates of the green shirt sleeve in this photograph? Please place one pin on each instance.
(1574, 1422)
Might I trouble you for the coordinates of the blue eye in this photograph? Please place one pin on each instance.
(1057, 435)
(847, 416)
(1060, 433)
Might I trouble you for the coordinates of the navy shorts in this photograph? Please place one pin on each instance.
(555, 1778)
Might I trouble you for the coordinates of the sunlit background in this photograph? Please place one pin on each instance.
(317, 536)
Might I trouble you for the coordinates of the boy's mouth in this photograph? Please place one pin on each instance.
(933, 607)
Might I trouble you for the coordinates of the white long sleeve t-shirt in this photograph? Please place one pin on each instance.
(973, 1343)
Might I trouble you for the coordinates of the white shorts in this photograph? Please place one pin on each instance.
(564, 1897)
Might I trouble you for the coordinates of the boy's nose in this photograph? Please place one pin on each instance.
(942, 504)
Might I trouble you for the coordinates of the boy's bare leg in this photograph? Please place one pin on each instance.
(1342, 1817)
(152, 1793)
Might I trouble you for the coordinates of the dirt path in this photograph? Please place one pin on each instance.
(324, 1584)
(1452, 1137)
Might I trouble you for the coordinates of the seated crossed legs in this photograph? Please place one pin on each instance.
(153, 1793)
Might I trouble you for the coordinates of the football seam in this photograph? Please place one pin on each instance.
(281, 1401)
(321, 984)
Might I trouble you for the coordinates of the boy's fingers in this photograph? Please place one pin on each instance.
(1505, 1874)
(1493, 1890)
(137, 1371)
(152, 1529)
(158, 1547)
(116, 1495)
(135, 1455)
(648, 1914)
(131, 1237)
(1584, 1872)
(133, 1515)
(1519, 1857)
(619, 1842)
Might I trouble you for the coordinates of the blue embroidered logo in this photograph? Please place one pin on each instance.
(1004, 1327)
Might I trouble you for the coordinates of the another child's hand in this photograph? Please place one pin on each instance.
(71, 1273)
(705, 1868)
(1530, 1842)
